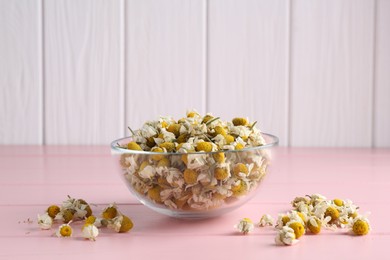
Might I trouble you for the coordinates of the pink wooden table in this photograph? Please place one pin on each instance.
(33, 177)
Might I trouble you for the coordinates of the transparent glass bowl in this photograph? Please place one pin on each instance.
(194, 185)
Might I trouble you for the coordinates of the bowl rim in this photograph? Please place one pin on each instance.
(119, 150)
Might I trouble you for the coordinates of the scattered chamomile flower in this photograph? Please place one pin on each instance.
(65, 215)
(121, 224)
(266, 220)
(360, 226)
(45, 221)
(65, 230)
(314, 225)
(286, 236)
(90, 220)
(110, 212)
(245, 226)
(298, 228)
(90, 231)
(53, 210)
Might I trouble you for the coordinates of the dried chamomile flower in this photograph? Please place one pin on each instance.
(121, 224)
(298, 228)
(221, 174)
(360, 226)
(45, 221)
(240, 121)
(333, 213)
(266, 220)
(90, 231)
(299, 200)
(110, 212)
(316, 198)
(291, 216)
(98, 222)
(82, 209)
(286, 236)
(65, 230)
(53, 210)
(134, 146)
(338, 202)
(90, 220)
(314, 225)
(66, 215)
(245, 226)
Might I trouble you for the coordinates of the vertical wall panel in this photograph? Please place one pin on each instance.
(382, 79)
(165, 56)
(248, 43)
(20, 72)
(82, 71)
(331, 72)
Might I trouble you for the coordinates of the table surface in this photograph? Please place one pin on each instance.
(33, 177)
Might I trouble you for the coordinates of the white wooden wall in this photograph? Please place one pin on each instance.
(315, 73)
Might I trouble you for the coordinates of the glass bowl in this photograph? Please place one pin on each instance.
(194, 185)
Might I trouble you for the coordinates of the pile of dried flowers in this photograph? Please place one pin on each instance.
(73, 210)
(311, 214)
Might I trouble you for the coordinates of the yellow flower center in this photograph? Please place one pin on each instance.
(169, 146)
(285, 220)
(157, 157)
(219, 157)
(134, 146)
(221, 174)
(66, 231)
(175, 129)
(164, 162)
(110, 213)
(360, 227)
(239, 146)
(190, 176)
(239, 189)
(333, 213)
(314, 225)
(90, 220)
(229, 139)
(126, 224)
(239, 121)
(206, 119)
(67, 215)
(204, 146)
(299, 229)
(338, 202)
(240, 168)
(53, 210)
(154, 194)
(219, 130)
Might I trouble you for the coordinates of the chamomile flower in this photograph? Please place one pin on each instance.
(286, 236)
(360, 226)
(45, 221)
(65, 230)
(314, 224)
(298, 227)
(53, 210)
(121, 224)
(110, 212)
(245, 226)
(90, 231)
(266, 220)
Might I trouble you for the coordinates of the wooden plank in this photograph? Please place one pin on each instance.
(164, 61)
(382, 76)
(331, 73)
(20, 72)
(248, 43)
(83, 103)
